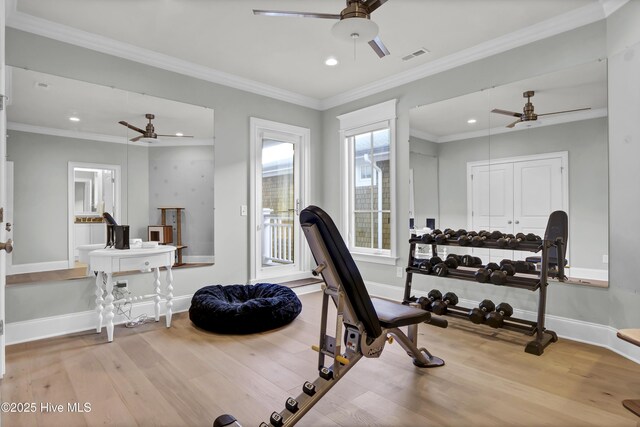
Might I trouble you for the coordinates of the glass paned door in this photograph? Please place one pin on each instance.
(279, 204)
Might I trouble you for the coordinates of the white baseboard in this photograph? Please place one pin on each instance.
(576, 330)
(37, 266)
(47, 327)
(587, 273)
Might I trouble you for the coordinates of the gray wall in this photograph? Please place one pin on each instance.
(424, 162)
(569, 49)
(41, 186)
(232, 107)
(586, 142)
(624, 174)
(183, 176)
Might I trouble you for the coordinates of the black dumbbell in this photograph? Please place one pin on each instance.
(470, 261)
(452, 261)
(483, 274)
(432, 296)
(425, 266)
(530, 237)
(480, 238)
(440, 306)
(461, 232)
(500, 277)
(426, 238)
(440, 269)
(435, 260)
(442, 238)
(496, 318)
(465, 239)
(514, 242)
(495, 235)
(477, 315)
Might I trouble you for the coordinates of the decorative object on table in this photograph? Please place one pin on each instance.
(117, 235)
(162, 234)
(179, 246)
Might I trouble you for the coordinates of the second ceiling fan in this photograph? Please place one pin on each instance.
(528, 114)
(148, 133)
(354, 22)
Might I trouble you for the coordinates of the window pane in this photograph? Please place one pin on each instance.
(371, 194)
(362, 230)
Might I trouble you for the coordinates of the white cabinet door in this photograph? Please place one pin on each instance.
(98, 233)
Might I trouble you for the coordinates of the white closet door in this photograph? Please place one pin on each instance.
(492, 204)
(537, 193)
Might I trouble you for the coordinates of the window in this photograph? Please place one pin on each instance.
(368, 136)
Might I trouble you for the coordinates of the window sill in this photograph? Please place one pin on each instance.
(375, 259)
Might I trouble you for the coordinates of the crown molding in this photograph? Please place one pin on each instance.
(66, 133)
(551, 27)
(420, 134)
(542, 122)
(42, 27)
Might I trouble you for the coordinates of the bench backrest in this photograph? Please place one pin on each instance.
(350, 278)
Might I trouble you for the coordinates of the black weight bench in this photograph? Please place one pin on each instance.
(364, 324)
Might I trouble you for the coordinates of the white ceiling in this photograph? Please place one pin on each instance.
(47, 110)
(571, 88)
(287, 53)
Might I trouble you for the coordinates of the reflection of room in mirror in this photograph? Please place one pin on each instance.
(511, 178)
(174, 167)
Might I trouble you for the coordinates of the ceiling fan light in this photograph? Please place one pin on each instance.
(527, 124)
(147, 140)
(358, 29)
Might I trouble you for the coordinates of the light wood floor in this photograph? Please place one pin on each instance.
(183, 376)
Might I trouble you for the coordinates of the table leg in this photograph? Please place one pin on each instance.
(99, 299)
(156, 284)
(109, 307)
(169, 295)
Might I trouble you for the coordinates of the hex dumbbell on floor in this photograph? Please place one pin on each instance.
(440, 307)
(477, 315)
(496, 318)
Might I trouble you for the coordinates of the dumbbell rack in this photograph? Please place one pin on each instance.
(532, 282)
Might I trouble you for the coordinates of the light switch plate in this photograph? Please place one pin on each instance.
(243, 210)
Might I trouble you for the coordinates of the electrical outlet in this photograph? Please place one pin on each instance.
(399, 271)
(122, 284)
(243, 210)
(605, 259)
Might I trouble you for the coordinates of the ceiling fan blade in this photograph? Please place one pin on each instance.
(378, 47)
(132, 127)
(372, 5)
(566, 111)
(137, 138)
(510, 125)
(506, 113)
(297, 14)
(176, 136)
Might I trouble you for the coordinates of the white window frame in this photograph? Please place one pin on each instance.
(376, 117)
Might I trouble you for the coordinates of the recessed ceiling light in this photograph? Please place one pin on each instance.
(331, 62)
(471, 121)
(179, 134)
(74, 119)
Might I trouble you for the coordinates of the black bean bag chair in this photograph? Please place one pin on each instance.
(243, 309)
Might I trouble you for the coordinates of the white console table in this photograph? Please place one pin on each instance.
(108, 261)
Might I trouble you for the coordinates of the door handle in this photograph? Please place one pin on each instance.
(517, 222)
(8, 226)
(509, 222)
(8, 246)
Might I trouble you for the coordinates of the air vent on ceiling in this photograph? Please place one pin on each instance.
(42, 85)
(418, 52)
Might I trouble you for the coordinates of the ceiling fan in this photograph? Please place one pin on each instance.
(354, 22)
(148, 134)
(528, 115)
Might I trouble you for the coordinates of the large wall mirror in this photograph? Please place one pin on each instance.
(477, 169)
(77, 149)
